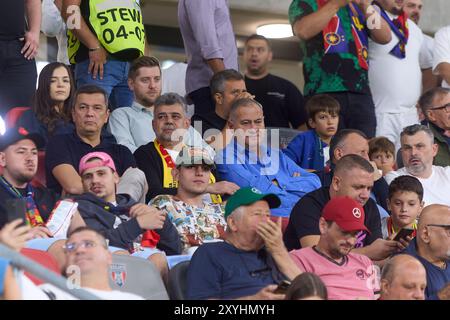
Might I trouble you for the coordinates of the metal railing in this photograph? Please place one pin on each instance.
(19, 261)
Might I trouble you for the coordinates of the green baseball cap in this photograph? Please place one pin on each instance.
(246, 196)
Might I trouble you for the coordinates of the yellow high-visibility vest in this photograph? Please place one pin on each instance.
(118, 26)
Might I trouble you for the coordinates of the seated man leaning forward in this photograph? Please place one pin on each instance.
(197, 215)
(353, 177)
(118, 217)
(347, 275)
(248, 161)
(251, 261)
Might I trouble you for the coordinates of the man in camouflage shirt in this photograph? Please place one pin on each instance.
(334, 36)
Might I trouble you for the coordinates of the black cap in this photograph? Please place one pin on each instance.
(13, 135)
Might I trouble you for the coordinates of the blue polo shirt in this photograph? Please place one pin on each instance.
(69, 149)
(306, 150)
(437, 278)
(272, 172)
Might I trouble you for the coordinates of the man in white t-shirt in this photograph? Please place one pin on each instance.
(418, 150)
(441, 62)
(413, 9)
(395, 75)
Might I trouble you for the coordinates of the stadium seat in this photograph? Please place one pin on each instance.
(13, 115)
(39, 179)
(138, 276)
(43, 258)
(178, 281)
(284, 135)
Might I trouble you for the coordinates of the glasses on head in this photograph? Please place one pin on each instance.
(72, 246)
(445, 226)
(445, 107)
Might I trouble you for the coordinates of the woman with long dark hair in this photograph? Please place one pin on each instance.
(50, 113)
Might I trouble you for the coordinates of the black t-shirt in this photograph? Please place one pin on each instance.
(44, 198)
(281, 100)
(304, 219)
(12, 19)
(69, 149)
(209, 121)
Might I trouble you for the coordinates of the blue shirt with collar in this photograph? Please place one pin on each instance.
(437, 278)
(306, 149)
(273, 172)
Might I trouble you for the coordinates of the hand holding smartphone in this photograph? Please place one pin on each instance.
(282, 287)
(403, 233)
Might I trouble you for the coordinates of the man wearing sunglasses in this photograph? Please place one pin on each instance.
(432, 247)
(435, 105)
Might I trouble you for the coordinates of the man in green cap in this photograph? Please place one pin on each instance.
(251, 261)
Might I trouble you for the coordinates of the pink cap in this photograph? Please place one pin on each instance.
(103, 160)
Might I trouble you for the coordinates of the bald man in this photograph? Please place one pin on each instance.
(432, 247)
(403, 278)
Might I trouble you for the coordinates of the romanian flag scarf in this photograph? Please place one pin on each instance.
(334, 40)
(33, 216)
(400, 28)
(151, 238)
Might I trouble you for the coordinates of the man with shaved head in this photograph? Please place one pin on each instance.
(432, 247)
(403, 278)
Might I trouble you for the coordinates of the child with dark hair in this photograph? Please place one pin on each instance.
(382, 152)
(310, 149)
(405, 202)
(307, 286)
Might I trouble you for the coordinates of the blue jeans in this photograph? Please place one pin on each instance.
(114, 81)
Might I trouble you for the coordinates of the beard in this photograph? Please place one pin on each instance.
(416, 170)
(22, 178)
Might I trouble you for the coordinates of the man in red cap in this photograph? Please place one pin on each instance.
(347, 275)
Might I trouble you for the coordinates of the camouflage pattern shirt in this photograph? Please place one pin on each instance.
(194, 224)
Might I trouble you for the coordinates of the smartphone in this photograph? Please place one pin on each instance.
(16, 209)
(403, 233)
(282, 287)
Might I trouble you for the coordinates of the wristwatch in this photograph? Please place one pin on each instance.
(94, 49)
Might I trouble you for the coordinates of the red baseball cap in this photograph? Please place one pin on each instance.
(346, 212)
(104, 160)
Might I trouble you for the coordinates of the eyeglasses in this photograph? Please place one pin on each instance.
(72, 246)
(445, 226)
(445, 107)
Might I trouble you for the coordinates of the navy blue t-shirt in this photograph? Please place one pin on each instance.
(222, 271)
(69, 149)
(437, 278)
